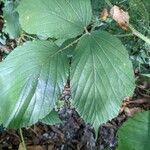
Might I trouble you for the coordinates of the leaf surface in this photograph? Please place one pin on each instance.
(147, 75)
(51, 119)
(32, 77)
(12, 20)
(55, 18)
(101, 76)
(140, 12)
(135, 133)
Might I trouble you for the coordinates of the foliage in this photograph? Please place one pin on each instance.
(134, 134)
(141, 14)
(36, 74)
(59, 19)
(68, 43)
(12, 19)
(101, 76)
(51, 119)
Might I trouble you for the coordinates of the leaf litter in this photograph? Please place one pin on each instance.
(73, 133)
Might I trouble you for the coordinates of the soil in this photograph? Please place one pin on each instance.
(73, 133)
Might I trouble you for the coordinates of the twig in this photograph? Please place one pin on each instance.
(138, 101)
(109, 3)
(71, 44)
(22, 139)
(124, 35)
(29, 36)
(134, 31)
(139, 35)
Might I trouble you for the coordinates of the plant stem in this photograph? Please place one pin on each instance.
(134, 31)
(22, 139)
(139, 35)
(124, 35)
(71, 44)
(109, 3)
(29, 36)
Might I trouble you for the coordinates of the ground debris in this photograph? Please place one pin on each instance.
(73, 133)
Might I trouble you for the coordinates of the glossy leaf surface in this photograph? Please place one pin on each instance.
(55, 18)
(32, 77)
(101, 77)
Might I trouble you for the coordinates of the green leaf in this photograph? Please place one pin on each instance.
(55, 18)
(147, 75)
(147, 5)
(140, 11)
(96, 6)
(135, 133)
(101, 76)
(59, 42)
(12, 20)
(51, 119)
(32, 78)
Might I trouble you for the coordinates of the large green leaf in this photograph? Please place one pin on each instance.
(55, 18)
(12, 20)
(135, 133)
(31, 79)
(101, 77)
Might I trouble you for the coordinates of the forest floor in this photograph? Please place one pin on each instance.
(73, 133)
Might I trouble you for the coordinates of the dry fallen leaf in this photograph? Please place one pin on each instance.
(36, 147)
(104, 14)
(120, 16)
(131, 111)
